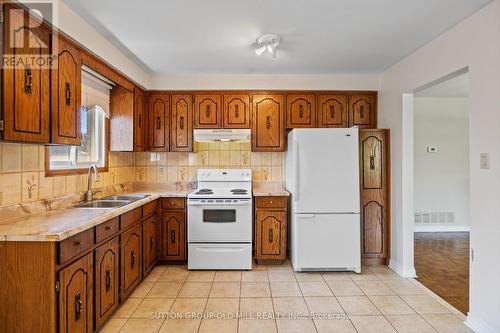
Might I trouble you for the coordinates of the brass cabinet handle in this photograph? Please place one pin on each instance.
(332, 111)
(108, 227)
(78, 306)
(372, 162)
(158, 123)
(236, 111)
(301, 111)
(108, 280)
(78, 242)
(151, 243)
(361, 111)
(132, 259)
(140, 120)
(67, 90)
(172, 236)
(268, 122)
(172, 203)
(28, 81)
(181, 122)
(207, 111)
(270, 235)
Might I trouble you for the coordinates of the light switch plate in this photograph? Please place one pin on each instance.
(432, 149)
(484, 161)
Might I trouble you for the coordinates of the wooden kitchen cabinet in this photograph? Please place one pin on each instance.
(26, 86)
(107, 272)
(121, 125)
(66, 95)
(270, 229)
(300, 110)
(268, 123)
(131, 259)
(236, 111)
(208, 111)
(159, 122)
(174, 235)
(140, 118)
(363, 110)
(374, 165)
(332, 110)
(182, 123)
(150, 236)
(75, 296)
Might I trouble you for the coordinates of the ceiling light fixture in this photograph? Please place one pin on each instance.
(269, 43)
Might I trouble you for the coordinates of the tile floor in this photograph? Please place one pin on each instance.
(172, 299)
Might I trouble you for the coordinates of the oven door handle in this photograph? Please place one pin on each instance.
(219, 249)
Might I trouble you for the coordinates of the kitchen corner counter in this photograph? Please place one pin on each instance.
(269, 189)
(59, 224)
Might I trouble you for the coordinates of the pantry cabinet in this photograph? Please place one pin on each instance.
(208, 111)
(300, 110)
(174, 229)
(270, 229)
(140, 118)
(75, 296)
(236, 111)
(332, 110)
(268, 122)
(66, 94)
(131, 259)
(159, 122)
(363, 110)
(374, 165)
(26, 87)
(182, 123)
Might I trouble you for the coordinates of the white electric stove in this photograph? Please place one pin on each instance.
(220, 220)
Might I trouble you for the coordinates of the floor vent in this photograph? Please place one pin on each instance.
(435, 218)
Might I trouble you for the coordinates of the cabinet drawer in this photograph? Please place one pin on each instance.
(75, 245)
(150, 208)
(271, 202)
(173, 203)
(107, 229)
(131, 217)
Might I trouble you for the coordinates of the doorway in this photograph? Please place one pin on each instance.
(441, 189)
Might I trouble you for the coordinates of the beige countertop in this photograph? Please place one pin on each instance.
(269, 189)
(58, 224)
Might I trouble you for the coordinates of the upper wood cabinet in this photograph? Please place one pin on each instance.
(159, 122)
(268, 123)
(208, 111)
(66, 95)
(182, 123)
(140, 117)
(300, 110)
(26, 85)
(363, 110)
(332, 110)
(236, 111)
(122, 119)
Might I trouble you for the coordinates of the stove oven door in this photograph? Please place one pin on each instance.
(221, 221)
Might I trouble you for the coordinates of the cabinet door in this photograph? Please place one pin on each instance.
(182, 123)
(121, 125)
(374, 193)
(300, 111)
(158, 122)
(363, 110)
(66, 95)
(139, 121)
(75, 297)
(270, 234)
(268, 125)
(236, 111)
(150, 243)
(174, 235)
(207, 111)
(332, 110)
(131, 259)
(26, 84)
(107, 273)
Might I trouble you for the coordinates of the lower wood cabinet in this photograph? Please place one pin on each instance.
(150, 233)
(131, 259)
(75, 296)
(107, 273)
(173, 229)
(270, 228)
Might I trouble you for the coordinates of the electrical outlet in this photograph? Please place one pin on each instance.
(432, 149)
(484, 161)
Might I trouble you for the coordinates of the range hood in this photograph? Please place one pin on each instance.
(223, 135)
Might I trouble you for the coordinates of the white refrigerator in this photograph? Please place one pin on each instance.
(322, 175)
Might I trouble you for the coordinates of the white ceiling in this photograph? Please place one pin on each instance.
(318, 36)
(454, 87)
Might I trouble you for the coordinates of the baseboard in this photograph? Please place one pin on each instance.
(478, 325)
(441, 228)
(408, 271)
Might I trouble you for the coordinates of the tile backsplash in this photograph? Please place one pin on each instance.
(22, 169)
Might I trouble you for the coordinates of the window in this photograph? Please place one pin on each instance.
(93, 148)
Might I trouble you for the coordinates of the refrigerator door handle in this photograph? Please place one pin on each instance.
(296, 162)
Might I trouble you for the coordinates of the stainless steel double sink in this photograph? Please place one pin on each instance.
(112, 201)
